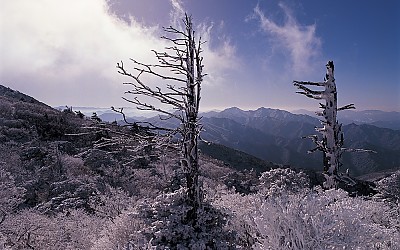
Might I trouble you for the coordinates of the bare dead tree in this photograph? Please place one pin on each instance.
(332, 140)
(184, 61)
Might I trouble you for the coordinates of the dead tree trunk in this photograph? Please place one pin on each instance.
(331, 143)
(191, 127)
(184, 61)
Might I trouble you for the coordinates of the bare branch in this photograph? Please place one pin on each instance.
(309, 83)
(349, 106)
(309, 91)
(123, 115)
(359, 150)
(148, 69)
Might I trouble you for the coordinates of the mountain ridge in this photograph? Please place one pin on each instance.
(275, 135)
(281, 132)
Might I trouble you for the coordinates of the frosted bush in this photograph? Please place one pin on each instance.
(325, 220)
(282, 180)
(112, 203)
(30, 229)
(10, 195)
(73, 166)
(389, 188)
(3, 242)
(157, 220)
(311, 219)
(6, 109)
(79, 229)
(124, 232)
(240, 212)
(162, 223)
(146, 183)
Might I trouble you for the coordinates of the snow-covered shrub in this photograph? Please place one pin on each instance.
(244, 182)
(126, 231)
(10, 195)
(111, 204)
(6, 109)
(71, 194)
(389, 187)
(79, 229)
(3, 242)
(240, 211)
(311, 219)
(30, 229)
(162, 223)
(73, 166)
(325, 220)
(147, 183)
(282, 180)
(167, 215)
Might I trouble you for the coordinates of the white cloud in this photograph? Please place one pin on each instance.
(299, 40)
(219, 59)
(65, 52)
(76, 43)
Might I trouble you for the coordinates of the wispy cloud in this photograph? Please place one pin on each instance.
(300, 41)
(176, 13)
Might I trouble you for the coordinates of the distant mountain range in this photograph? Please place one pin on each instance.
(275, 135)
(377, 118)
(372, 117)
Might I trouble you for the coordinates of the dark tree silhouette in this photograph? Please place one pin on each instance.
(94, 117)
(184, 61)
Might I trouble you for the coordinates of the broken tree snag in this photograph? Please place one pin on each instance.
(331, 143)
(181, 94)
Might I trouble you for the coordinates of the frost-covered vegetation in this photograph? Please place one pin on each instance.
(83, 184)
(283, 212)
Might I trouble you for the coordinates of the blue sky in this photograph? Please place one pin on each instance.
(65, 52)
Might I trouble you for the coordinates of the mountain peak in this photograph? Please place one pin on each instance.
(233, 109)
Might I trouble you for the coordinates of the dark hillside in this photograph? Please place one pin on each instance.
(57, 156)
(63, 160)
(236, 159)
(16, 96)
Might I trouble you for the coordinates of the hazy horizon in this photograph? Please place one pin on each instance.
(211, 109)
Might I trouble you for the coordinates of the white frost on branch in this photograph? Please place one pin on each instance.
(331, 143)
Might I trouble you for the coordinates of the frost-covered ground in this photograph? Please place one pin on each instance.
(282, 213)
